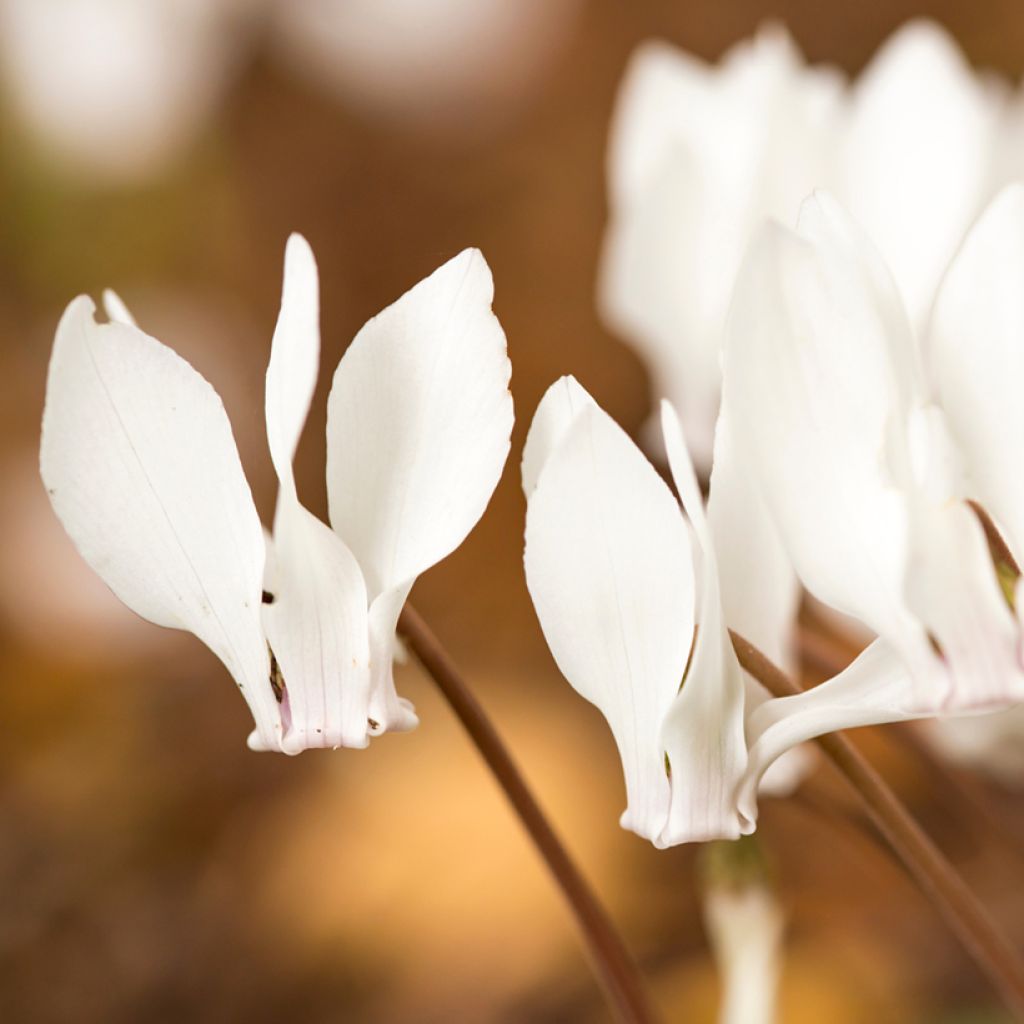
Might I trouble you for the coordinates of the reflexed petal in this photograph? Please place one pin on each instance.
(703, 731)
(976, 358)
(918, 155)
(294, 357)
(819, 382)
(317, 627)
(142, 469)
(557, 410)
(419, 421)
(610, 571)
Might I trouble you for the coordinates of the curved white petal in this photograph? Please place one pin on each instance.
(820, 380)
(703, 730)
(141, 467)
(294, 357)
(873, 690)
(418, 425)
(609, 568)
(315, 618)
(561, 404)
(918, 155)
(976, 358)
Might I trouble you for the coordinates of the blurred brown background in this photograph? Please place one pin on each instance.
(151, 868)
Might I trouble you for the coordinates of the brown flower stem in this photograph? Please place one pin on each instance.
(939, 880)
(610, 960)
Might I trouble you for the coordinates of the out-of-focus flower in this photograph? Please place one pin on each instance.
(446, 63)
(992, 743)
(745, 925)
(699, 154)
(114, 88)
(611, 572)
(867, 463)
(141, 467)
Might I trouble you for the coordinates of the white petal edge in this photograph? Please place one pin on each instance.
(419, 423)
(141, 467)
(609, 568)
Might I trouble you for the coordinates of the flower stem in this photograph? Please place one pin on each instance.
(929, 868)
(610, 960)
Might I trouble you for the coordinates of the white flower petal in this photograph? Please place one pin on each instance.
(759, 590)
(115, 308)
(561, 404)
(316, 624)
(874, 689)
(388, 711)
(419, 421)
(918, 155)
(976, 358)
(141, 467)
(294, 357)
(609, 568)
(703, 731)
(820, 378)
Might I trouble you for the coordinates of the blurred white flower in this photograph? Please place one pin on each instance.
(619, 591)
(867, 463)
(114, 88)
(699, 155)
(745, 926)
(141, 467)
(435, 63)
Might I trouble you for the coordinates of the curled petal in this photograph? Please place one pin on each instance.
(418, 424)
(141, 467)
(609, 568)
(872, 690)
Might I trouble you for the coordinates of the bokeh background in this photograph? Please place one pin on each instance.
(151, 868)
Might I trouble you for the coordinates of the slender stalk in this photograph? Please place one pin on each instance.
(926, 864)
(612, 964)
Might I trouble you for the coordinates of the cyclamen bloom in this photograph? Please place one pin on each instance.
(867, 449)
(611, 571)
(142, 469)
(699, 154)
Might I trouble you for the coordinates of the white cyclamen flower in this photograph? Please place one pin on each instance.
(141, 467)
(699, 154)
(867, 449)
(611, 569)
